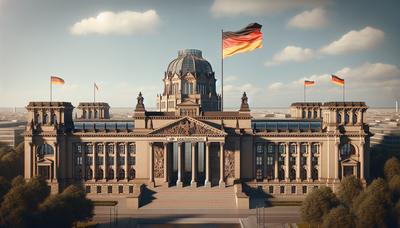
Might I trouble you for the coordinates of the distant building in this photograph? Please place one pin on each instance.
(386, 134)
(11, 132)
(189, 141)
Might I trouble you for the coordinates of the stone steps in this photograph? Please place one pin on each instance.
(189, 198)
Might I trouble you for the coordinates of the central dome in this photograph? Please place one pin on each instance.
(189, 61)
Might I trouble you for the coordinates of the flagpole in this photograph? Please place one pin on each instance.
(343, 91)
(222, 70)
(51, 90)
(304, 93)
(94, 93)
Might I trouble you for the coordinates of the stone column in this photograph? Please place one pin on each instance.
(287, 162)
(362, 177)
(336, 162)
(115, 161)
(151, 165)
(298, 164)
(55, 166)
(193, 182)
(83, 160)
(221, 165)
(165, 144)
(207, 182)
(276, 158)
(351, 117)
(126, 162)
(94, 149)
(309, 163)
(179, 183)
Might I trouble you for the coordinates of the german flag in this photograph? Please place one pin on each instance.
(57, 80)
(309, 83)
(338, 81)
(244, 40)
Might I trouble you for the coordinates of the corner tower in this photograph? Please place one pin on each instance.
(189, 79)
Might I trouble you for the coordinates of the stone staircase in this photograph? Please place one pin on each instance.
(188, 198)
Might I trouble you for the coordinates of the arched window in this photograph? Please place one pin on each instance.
(338, 118)
(84, 114)
(292, 148)
(96, 114)
(90, 114)
(346, 118)
(292, 174)
(303, 114)
(132, 174)
(121, 174)
(347, 150)
(309, 114)
(110, 174)
(89, 174)
(100, 174)
(45, 149)
(314, 148)
(315, 114)
(282, 148)
(46, 119)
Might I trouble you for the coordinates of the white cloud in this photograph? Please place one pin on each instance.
(312, 19)
(259, 7)
(353, 41)
(377, 82)
(125, 22)
(291, 54)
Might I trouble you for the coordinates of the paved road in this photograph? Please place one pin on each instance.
(149, 217)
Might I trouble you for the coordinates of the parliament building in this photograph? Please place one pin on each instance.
(189, 142)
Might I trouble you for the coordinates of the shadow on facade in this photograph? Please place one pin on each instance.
(381, 152)
(257, 196)
(147, 196)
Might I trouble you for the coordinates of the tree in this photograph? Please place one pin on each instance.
(62, 210)
(4, 187)
(21, 202)
(317, 204)
(339, 217)
(392, 168)
(349, 189)
(11, 161)
(373, 206)
(394, 186)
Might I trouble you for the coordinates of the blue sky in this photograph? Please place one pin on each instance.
(125, 46)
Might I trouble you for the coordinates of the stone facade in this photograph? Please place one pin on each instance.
(318, 146)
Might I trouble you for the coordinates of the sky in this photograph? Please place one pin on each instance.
(124, 46)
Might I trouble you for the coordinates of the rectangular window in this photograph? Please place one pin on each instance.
(99, 148)
(259, 160)
(132, 148)
(130, 189)
(292, 148)
(271, 190)
(282, 189)
(131, 160)
(270, 160)
(109, 189)
(304, 189)
(120, 189)
(303, 160)
(260, 148)
(292, 160)
(78, 160)
(121, 160)
(89, 160)
(110, 160)
(89, 148)
(314, 148)
(281, 160)
(78, 148)
(303, 148)
(271, 147)
(87, 189)
(98, 189)
(121, 148)
(110, 148)
(293, 189)
(99, 160)
(314, 161)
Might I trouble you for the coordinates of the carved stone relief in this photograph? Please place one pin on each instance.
(158, 161)
(229, 164)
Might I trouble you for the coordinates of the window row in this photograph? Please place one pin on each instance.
(270, 148)
(99, 189)
(269, 173)
(100, 160)
(45, 119)
(87, 148)
(346, 118)
(88, 175)
(293, 189)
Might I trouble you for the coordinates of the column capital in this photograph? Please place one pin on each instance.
(165, 144)
(208, 143)
(151, 143)
(221, 143)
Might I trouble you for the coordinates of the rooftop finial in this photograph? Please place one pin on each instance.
(244, 106)
(140, 104)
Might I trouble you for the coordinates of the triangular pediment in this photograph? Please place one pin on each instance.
(188, 126)
(349, 161)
